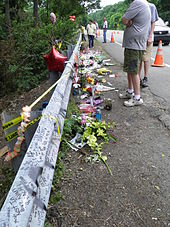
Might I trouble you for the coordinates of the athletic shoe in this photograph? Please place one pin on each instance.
(144, 82)
(133, 102)
(126, 95)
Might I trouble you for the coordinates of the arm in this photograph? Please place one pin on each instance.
(126, 22)
(87, 28)
(154, 18)
(131, 12)
(151, 33)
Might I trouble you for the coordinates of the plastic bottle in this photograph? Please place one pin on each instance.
(98, 114)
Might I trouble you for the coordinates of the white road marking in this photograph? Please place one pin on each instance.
(118, 43)
(167, 65)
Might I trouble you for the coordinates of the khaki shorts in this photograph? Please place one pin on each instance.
(147, 52)
(132, 60)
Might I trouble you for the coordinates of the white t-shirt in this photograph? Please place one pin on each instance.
(105, 24)
(136, 35)
(91, 29)
(154, 16)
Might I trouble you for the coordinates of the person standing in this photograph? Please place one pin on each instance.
(91, 33)
(83, 38)
(137, 20)
(148, 51)
(105, 26)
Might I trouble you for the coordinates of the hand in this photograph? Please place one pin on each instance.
(149, 41)
(129, 23)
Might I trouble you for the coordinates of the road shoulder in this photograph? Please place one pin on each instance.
(138, 192)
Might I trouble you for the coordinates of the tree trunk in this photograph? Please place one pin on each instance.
(7, 15)
(35, 12)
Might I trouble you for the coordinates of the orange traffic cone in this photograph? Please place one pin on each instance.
(99, 33)
(112, 39)
(159, 56)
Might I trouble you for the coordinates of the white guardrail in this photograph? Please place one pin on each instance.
(27, 200)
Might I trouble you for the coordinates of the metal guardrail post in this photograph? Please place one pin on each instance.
(27, 200)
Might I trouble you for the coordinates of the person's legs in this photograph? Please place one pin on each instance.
(140, 69)
(92, 40)
(130, 82)
(136, 85)
(136, 100)
(83, 37)
(132, 61)
(140, 72)
(146, 68)
(146, 60)
(89, 40)
(129, 93)
(104, 34)
(89, 36)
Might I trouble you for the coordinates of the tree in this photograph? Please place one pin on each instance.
(113, 14)
(7, 15)
(165, 9)
(35, 12)
(90, 4)
(47, 8)
(65, 8)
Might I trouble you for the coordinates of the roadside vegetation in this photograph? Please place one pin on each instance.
(26, 34)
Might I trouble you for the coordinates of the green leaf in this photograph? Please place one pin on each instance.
(100, 132)
(113, 138)
(104, 158)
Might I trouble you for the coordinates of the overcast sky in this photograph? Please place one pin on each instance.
(108, 2)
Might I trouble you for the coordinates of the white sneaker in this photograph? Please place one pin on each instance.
(126, 95)
(133, 102)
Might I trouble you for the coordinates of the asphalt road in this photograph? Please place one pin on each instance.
(159, 77)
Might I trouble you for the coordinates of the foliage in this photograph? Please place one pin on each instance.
(7, 177)
(96, 136)
(47, 224)
(23, 45)
(164, 9)
(113, 14)
(72, 121)
(56, 196)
